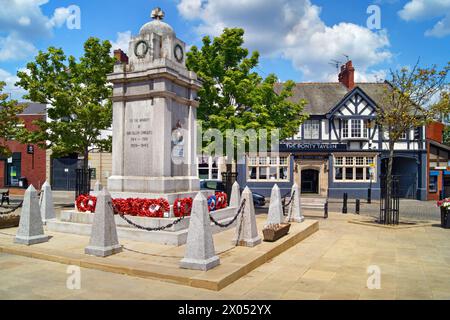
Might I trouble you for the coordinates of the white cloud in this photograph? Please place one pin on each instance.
(122, 41)
(417, 10)
(59, 17)
(21, 23)
(292, 29)
(10, 88)
(14, 48)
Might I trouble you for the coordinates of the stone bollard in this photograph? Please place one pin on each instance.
(31, 229)
(46, 203)
(104, 241)
(296, 213)
(200, 253)
(98, 186)
(246, 229)
(275, 215)
(235, 199)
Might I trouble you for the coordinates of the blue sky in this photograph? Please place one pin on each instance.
(297, 38)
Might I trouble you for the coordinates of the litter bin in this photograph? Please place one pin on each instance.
(23, 182)
(445, 219)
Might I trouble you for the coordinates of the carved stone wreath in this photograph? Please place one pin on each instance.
(146, 48)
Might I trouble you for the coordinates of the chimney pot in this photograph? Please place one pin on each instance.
(347, 75)
(121, 56)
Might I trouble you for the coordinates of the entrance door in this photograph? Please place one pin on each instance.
(310, 181)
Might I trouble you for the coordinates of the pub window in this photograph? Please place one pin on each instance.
(208, 168)
(358, 128)
(311, 130)
(404, 135)
(354, 169)
(268, 168)
(345, 129)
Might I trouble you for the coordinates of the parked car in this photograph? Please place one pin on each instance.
(218, 186)
(215, 185)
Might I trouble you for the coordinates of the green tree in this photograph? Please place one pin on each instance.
(234, 96)
(405, 105)
(78, 96)
(9, 121)
(444, 105)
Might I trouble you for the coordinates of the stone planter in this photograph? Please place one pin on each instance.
(9, 221)
(445, 219)
(274, 233)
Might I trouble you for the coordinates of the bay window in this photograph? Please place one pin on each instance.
(354, 168)
(355, 128)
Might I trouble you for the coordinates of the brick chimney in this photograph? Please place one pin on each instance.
(347, 75)
(121, 56)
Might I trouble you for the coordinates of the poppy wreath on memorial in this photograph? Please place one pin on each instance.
(212, 203)
(154, 208)
(222, 200)
(86, 203)
(182, 207)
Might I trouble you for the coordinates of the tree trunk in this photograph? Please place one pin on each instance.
(86, 159)
(389, 217)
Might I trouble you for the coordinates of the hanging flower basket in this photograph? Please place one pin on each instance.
(275, 232)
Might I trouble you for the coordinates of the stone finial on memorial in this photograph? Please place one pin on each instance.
(235, 199)
(246, 229)
(275, 215)
(104, 241)
(46, 203)
(295, 214)
(200, 252)
(31, 229)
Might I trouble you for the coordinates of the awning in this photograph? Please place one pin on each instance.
(434, 173)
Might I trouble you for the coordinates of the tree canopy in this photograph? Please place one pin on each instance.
(234, 95)
(406, 104)
(406, 101)
(77, 93)
(9, 121)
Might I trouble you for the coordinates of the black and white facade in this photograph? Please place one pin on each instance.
(340, 149)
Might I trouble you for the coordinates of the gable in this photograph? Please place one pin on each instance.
(355, 104)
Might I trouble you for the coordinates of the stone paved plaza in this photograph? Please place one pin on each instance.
(330, 264)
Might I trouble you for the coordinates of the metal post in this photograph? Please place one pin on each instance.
(345, 208)
(358, 206)
(326, 210)
(369, 195)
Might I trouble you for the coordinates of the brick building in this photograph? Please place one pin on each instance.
(438, 156)
(27, 161)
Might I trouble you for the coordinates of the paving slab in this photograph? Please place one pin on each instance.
(162, 262)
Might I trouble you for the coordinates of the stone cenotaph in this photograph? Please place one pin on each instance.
(154, 117)
(154, 137)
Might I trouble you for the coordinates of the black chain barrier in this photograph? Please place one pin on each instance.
(285, 206)
(122, 215)
(226, 225)
(170, 225)
(12, 209)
